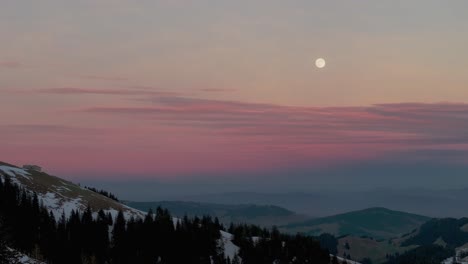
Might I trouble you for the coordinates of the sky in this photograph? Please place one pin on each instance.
(218, 92)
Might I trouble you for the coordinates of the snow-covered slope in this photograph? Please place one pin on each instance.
(61, 196)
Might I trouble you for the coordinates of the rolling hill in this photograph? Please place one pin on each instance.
(377, 222)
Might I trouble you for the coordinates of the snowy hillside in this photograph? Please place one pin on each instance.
(61, 196)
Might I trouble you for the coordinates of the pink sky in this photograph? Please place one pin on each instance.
(173, 136)
(167, 90)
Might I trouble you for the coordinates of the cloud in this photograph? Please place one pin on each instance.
(36, 129)
(104, 78)
(108, 91)
(10, 64)
(158, 133)
(217, 90)
(408, 125)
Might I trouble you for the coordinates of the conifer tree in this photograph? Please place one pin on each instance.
(118, 239)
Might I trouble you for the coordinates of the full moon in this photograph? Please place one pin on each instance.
(320, 63)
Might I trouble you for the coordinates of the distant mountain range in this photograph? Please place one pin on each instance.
(432, 203)
(264, 215)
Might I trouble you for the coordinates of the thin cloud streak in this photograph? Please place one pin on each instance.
(10, 64)
(104, 78)
(46, 129)
(101, 91)
(411, 123)
(217, 90)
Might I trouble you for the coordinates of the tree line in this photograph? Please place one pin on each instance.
(103, 192)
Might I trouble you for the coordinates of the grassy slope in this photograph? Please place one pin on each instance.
(379, 223)
(43, 183)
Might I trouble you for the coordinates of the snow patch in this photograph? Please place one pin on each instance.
(346, 260)
(60, 205)
(255, 239)
(230, 250)
(63, 189)
(457, 259)
(128, 214)
(18, 257)
(13, 172)
(176, 221)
